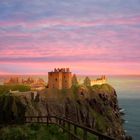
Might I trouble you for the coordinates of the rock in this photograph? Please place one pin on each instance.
(98, 108)
(128, 138)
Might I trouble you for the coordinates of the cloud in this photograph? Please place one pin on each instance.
(52, 9)
(87, 31)
(76, 67)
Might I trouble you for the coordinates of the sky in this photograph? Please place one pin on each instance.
(89, 36)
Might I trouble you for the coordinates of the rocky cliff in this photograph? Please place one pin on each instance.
(96, 107)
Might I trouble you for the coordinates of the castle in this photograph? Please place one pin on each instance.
(60, 78)
(99, 81)
(35, 84)
(18, 80)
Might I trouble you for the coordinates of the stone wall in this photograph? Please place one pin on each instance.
(60, 79)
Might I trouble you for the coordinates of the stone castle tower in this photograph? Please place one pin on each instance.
(60, 78)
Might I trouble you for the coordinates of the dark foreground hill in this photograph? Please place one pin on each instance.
(95, 107)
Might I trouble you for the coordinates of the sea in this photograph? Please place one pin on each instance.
(128, 92)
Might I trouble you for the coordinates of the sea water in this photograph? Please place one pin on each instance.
(128, 91)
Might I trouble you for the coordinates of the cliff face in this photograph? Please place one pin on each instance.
(96, 107)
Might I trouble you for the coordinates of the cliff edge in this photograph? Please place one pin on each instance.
(94, 106)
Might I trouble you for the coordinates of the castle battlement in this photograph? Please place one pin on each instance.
(60, 78)
(61, 70)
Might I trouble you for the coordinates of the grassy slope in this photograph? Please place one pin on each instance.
(36, 132)
(32, 132)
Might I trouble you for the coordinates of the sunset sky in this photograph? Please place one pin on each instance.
(89, 36)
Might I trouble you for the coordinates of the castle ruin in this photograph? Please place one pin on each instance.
(99, 81)
(60, 78)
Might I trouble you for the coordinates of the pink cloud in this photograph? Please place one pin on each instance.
(104, 45)
(105, 21)
(86, 68)
(53, 22)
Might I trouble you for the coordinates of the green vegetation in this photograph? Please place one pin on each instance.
(75, 89)
(106, 88)
(5, 88)
(74, 80)
(37, 132)
(32, 132)
(11, 109)
(87, 81)
(101, 123)
(63, 91)
(96, 87)
(80, 133)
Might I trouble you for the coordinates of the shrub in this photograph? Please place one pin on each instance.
(11, 109)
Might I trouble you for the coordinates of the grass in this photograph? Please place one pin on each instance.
(32, 132)
(89, 135)
(103, 88)
(37, 132)
(5, 88)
